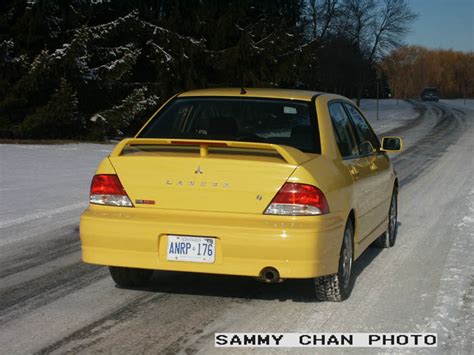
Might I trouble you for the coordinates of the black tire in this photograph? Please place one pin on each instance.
(388, 239)
(129, 277)
(338, 287)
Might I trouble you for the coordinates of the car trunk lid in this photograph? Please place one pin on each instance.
(238, 177)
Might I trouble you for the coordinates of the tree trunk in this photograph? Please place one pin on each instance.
(360, 90)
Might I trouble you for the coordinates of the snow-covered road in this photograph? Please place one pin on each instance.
(52, 303)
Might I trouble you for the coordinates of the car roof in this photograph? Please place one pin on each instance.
(289, 94)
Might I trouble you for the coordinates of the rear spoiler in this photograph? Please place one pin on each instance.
(289, 154)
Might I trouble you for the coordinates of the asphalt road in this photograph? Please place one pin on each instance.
(50, 302)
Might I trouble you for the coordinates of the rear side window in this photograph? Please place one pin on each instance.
(343, 130)
(363, 129)
(274, 121)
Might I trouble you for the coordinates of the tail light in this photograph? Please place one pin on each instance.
(106, 189)
(298, 200)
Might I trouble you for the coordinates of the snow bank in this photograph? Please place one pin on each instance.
(469, 104)
(453, 320)
(392, 113)
(45, 184)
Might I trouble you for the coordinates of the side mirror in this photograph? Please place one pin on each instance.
(392, 144)
(366, 148)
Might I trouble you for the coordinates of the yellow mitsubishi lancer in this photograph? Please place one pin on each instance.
(268, 183)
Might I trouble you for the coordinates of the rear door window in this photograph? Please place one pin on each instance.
(364, 132)
(343, 130)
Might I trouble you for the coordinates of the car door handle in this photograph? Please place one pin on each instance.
(373, 167)
(354, 172)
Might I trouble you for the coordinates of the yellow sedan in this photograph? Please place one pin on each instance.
(268, 183)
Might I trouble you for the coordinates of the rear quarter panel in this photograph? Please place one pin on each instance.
(328, 172)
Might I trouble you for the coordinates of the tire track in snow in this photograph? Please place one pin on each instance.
(420, 157)
(24, 255)
(43, 214)
(32, 294)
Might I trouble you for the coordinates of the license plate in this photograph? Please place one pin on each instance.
(195, 249)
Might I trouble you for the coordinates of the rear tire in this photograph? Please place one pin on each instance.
(338, 287)
(387, 240)
(130, 277)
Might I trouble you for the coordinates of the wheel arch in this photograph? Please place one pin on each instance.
(351, 217)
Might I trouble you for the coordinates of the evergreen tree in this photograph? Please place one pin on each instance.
(125, 118)
(108, 59)
(59, 118)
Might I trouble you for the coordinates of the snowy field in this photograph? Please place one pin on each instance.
(460, 103)
(45, 185)
(392, 113)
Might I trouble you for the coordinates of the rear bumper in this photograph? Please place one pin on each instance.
(298, 247)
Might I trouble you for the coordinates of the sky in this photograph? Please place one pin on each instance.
(446, 24)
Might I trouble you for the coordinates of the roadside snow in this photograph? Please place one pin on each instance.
(460, 103)
(454, 305)
(468, 220)
(46, 185)
(392, 113)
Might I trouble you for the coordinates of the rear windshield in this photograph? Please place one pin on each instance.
(285, 122)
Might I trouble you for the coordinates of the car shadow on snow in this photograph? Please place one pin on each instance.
(245, 288)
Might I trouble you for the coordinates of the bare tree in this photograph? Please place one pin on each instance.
(359, 15)
(390, 25)
(409, 69)
(376, 28)
(322, 16)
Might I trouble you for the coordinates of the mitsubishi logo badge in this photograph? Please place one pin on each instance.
(198, 170)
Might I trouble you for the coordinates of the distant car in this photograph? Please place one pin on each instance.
(273, 184)
(430, 94)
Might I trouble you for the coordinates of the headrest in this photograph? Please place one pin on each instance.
(303, 137)
(222, 127)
